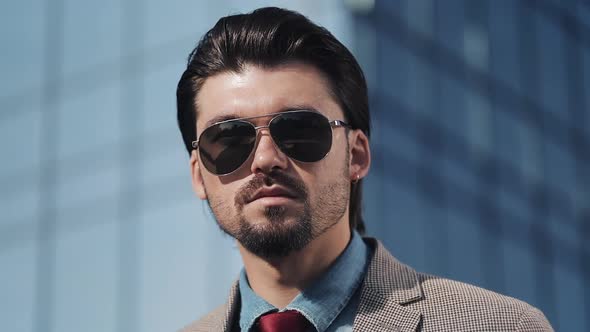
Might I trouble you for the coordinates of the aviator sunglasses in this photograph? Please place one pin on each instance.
(302, 135)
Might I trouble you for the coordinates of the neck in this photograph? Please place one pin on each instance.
(279, 281)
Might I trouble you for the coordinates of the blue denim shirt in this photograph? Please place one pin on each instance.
(329, 303)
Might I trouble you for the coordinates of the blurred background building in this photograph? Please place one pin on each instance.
(481, 150)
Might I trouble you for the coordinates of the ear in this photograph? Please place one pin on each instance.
(196, 176)
(360, 154)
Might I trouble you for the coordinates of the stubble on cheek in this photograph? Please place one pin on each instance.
(330, 205)
(224, 213)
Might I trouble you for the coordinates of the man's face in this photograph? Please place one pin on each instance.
(273, 205)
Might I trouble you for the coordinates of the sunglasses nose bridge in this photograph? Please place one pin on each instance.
(266, 153)
(260, 127)
(258, 135)
(266, 132)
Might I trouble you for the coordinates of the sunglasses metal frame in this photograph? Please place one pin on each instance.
(332, 123)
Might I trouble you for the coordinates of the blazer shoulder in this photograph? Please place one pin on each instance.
(533, 320)
(221, 318)
(208, 322)
(488, 307)
(393, 288)
(441, 290)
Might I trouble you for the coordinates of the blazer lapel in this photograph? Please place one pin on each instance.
(227, 320)
(388, 286)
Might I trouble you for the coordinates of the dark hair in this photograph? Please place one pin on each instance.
(269, 37)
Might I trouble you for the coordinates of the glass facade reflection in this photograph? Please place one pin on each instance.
(481, 155)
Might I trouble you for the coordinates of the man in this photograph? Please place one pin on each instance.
(274, 113)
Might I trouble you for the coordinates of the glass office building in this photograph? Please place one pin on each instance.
(480, 143)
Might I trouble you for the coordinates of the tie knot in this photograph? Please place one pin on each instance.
(286, 321)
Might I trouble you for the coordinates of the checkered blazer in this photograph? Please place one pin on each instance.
(394, 297)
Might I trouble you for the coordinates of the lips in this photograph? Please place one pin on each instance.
(274, 191)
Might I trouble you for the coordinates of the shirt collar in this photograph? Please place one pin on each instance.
(253, 306)
(323, 300)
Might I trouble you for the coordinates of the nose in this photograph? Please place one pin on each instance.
(267, 156)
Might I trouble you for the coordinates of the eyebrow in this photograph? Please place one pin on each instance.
(231, 116)
(220, 118)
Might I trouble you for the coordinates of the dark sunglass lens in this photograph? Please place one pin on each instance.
(303, 136)
(226, 146)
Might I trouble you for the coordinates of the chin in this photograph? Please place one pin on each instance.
(276, 234)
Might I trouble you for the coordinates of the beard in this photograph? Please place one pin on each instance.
(276, 239)
(283, 232)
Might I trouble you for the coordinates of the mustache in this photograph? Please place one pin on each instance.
(294, 185)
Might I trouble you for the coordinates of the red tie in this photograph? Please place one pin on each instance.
(286, 321)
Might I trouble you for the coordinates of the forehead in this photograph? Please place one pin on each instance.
(259, 91)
